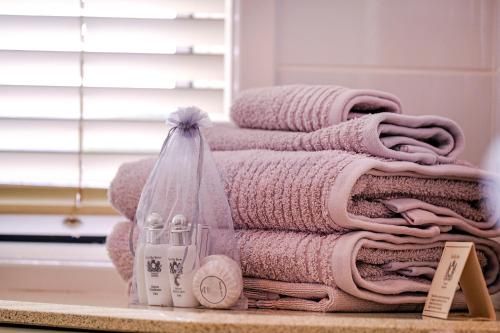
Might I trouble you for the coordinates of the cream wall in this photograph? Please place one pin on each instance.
(440, 57)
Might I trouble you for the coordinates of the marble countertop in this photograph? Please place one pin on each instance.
(199, 320)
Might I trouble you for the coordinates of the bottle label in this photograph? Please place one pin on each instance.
(155, 290)
(153, 265)
(213, 289)
(176, 268)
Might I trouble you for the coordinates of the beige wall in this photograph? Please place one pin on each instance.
(439, 57)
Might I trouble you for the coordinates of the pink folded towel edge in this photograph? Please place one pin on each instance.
(307, 107)
(348, 279)
(421, 139)
(341, 191)
(325, 210)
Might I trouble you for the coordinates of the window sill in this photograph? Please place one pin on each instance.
(79, 274)
(156, 319)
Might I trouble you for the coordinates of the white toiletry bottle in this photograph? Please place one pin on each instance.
(140, 276)
(156, 263)
(183, 263)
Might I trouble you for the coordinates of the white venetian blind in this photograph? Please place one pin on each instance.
(85, 85)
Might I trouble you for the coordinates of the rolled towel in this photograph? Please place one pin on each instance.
(333, 191)
(422, 139)
(307, 108)
(299, 271)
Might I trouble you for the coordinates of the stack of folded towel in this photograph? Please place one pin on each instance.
(341, 203)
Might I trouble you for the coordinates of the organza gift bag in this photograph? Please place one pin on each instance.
(183, 216)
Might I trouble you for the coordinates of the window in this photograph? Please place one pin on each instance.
(85, 86)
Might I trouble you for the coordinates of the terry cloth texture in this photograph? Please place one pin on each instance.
(421, 139)
(307, 108)
(336, 191)
(303, 272)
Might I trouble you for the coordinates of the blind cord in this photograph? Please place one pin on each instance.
(73, 219)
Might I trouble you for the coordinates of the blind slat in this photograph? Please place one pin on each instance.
(99, 169)
(32, 135)
(50, 200)
(112, 136)
(147, 103)
(39, 102)
(133, 70)
(39, 33)
(105, 70)
(37, 7)
(62, 136)
(111, 35)
(38, 169)
(112, 8)
(103, 103)
(59, 170)
(153, 8)
(108, 136)
(39, 68)
(198, 85)
(150, 34)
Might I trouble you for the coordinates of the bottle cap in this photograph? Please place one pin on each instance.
(154, 221)
(180, 223)
(154, 228)
(218, 283)
(179, 230)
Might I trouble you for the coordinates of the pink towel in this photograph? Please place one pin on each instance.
(269, 294)
(332, 191)
(359, 263)
(424, 139)
(302, 272)
(307, 108)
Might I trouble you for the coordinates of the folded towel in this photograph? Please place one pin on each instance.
(266, 294)
(424, 139)
(307, 108)
(299, 271)
(331, 191)
(269, 294)
(360, 263)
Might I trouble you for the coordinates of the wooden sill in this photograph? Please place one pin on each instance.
(200, 320)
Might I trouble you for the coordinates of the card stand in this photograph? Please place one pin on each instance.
(459, 265)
